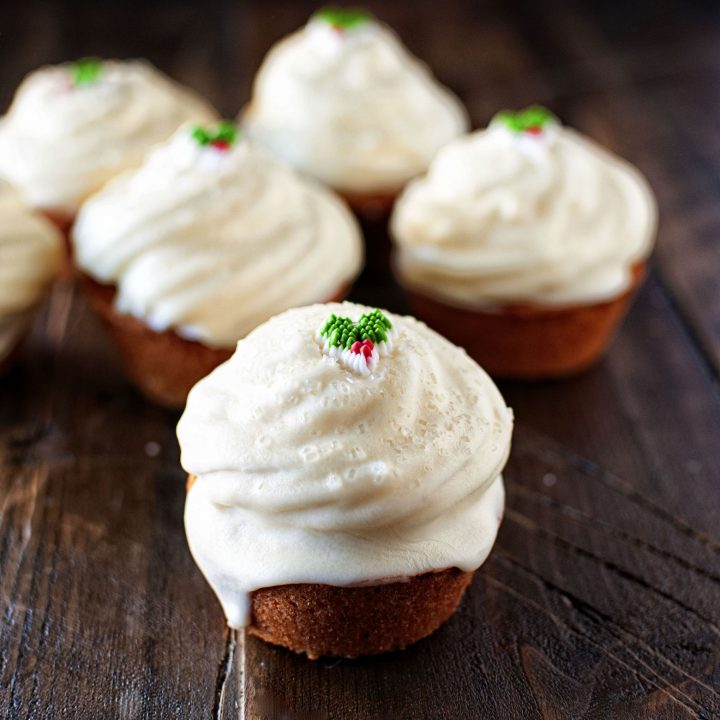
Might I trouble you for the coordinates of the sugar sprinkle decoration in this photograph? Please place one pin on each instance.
(531, 121)
(222, 137)
(343, 19)
(357, 345)
(86, 71)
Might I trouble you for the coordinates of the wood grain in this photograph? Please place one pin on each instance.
(602, 597)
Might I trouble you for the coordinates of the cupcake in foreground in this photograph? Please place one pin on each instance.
(343, 101)
(72, 127)
(30, 252)
(524, 243)
(206, 240)
(344, 479)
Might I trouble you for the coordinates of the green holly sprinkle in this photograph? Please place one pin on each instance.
(342, 332)
(86, 71)
(343, 18)
(222, 137)
(531, 120)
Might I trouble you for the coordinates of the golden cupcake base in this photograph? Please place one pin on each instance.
(64, 224)
(373, 211)
(163, 365)
(14, 353)
(530, 342)
(348, 621)
(325, 620)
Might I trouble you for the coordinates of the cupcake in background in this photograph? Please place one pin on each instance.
(343, 101)
(30, 253)
(206, 240)
(72, 127)
(345, 479)
(524, 243)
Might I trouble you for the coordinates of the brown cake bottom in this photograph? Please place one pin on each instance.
(370, 204)
(373, 212)
(10, 359)
(163, 365)
(63, 222)
(327, 620)
(527, 341)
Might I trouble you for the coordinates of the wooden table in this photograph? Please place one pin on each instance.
(602, 596)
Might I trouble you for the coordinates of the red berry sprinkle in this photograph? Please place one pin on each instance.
(220, 145)
(364, 348)
(535, 130)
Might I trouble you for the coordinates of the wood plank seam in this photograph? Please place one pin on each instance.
(694, 334)
(224, 668)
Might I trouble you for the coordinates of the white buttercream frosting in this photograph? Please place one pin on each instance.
(308, 471)
(212, 242)
(351, 108)
(30, 253)
(506, 218)
(60, 142)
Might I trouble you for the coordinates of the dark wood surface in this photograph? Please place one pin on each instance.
(602, 596)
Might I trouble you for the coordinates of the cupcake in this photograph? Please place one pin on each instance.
(344, 479)
(343, 101)
(524, 243)
(209, 238)
(30, 252)
(72, 127)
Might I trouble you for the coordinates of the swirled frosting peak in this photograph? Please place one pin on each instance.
(211, 236)
(345, 102)
(72, 127)
(526, 211)
(308, 471)
(30, 252)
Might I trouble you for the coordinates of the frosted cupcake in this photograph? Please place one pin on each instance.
(72, 127)
(344, 479)
(206, 240)
(30, 252)
(524, 243)
(343, 101)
